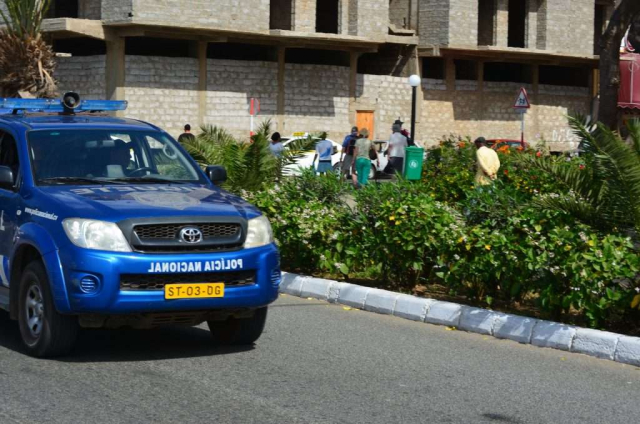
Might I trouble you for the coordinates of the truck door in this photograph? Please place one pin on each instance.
(8, 203)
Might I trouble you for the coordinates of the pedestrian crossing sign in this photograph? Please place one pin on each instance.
(522, 102)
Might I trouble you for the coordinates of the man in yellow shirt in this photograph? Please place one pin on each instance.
(488, 163)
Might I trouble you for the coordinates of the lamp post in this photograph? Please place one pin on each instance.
(414, 82)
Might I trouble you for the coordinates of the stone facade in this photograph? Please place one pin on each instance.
(83, 74)
(116, 10)
(399, 13)
(373, 18)
(304, 15)
(90, 9)
(461, 14)
(569, 26)
(316, 98)
(230, 86)
(433, 21)
(162, 90)
(227, 14)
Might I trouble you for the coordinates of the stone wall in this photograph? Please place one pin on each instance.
(569, 26)
(399, 13)
(463, 22)
(116, 10)
(489, 112)
(433, 21)
(83, 74)
(389, 98)
(227, 14)
(304, 15)
(162, 90)
(89, 9)
(373, 18)
(316, 99)
(230, 86)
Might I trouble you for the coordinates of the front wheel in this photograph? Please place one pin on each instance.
(45, 332)
(239, 331)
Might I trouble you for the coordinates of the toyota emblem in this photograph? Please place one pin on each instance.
(191, 235)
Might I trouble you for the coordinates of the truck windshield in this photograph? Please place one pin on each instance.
(107, 156)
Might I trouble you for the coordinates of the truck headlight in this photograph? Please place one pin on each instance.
(258, 232)
(92, 234)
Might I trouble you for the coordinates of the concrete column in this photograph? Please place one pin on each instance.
(202, 82)
(115, 70)
(344, 17)
(501, 22)
(280, 104)
(353, 81)
(480, 105)
(531, 30)
(450, 74)
(414, 15)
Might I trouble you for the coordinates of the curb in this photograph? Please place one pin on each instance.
(554, 335)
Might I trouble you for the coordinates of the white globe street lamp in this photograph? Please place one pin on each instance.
(414, 82)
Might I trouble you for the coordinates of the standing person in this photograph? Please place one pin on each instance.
(397, 144)
(404, 132)
(276, 146)
(488, 163)
(362, 163)
(186, 136)
(324, 149)
(348, 147)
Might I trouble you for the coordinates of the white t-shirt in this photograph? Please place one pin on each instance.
(397, 144)
(324, 148)
(276, 148)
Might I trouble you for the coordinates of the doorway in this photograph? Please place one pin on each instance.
(327, 16)
(364, 119)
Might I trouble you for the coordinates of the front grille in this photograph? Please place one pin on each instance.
(170, 231)
(158, 281)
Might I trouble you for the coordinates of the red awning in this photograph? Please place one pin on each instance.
(629, 94)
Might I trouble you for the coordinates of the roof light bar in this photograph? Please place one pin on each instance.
(55, 105)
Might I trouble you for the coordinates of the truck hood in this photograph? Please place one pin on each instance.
(119, 202)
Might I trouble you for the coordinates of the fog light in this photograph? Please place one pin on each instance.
(89, 284)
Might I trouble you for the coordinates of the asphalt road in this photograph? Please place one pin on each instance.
(315, 363)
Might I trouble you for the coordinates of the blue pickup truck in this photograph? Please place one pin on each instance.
(107, 222)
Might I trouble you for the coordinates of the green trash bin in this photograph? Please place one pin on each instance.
(413, 162)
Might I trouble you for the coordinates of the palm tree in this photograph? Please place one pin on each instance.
(249, 165)
(605, 193)
(27, 62)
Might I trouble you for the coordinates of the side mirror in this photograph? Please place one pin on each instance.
(216, 173)
(6, 178)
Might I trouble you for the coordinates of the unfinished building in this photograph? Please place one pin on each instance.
(330, 64)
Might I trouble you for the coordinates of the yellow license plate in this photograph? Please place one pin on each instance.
(188, 291)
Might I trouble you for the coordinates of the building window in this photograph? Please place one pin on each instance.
(327, 16)
(466, 70)
(238, 51)
(507, 72)
(80, 46)
(149, 46)
(517, 18)
(564, 75)
(280, 14)
(318, 57)
(598, 26)
(486, 22)
(433, 68)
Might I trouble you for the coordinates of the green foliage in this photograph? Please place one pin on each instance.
(605, 191)
(251, 165)
(24, 17)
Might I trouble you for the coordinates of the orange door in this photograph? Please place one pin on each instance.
(364, 119)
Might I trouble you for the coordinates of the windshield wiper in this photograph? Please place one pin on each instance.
(146, 180)
(70, 180)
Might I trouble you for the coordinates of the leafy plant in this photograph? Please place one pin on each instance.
(605, 191)
(27, 62)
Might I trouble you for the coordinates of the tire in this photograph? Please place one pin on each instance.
(337, 168)
(239, 331)
(44, 332)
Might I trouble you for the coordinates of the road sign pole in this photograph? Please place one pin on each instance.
(522, 128)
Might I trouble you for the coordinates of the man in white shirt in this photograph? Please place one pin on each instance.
(324, 150)
(276, 146)
(397, 144)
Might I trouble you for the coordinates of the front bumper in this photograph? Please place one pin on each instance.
(109, 298)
